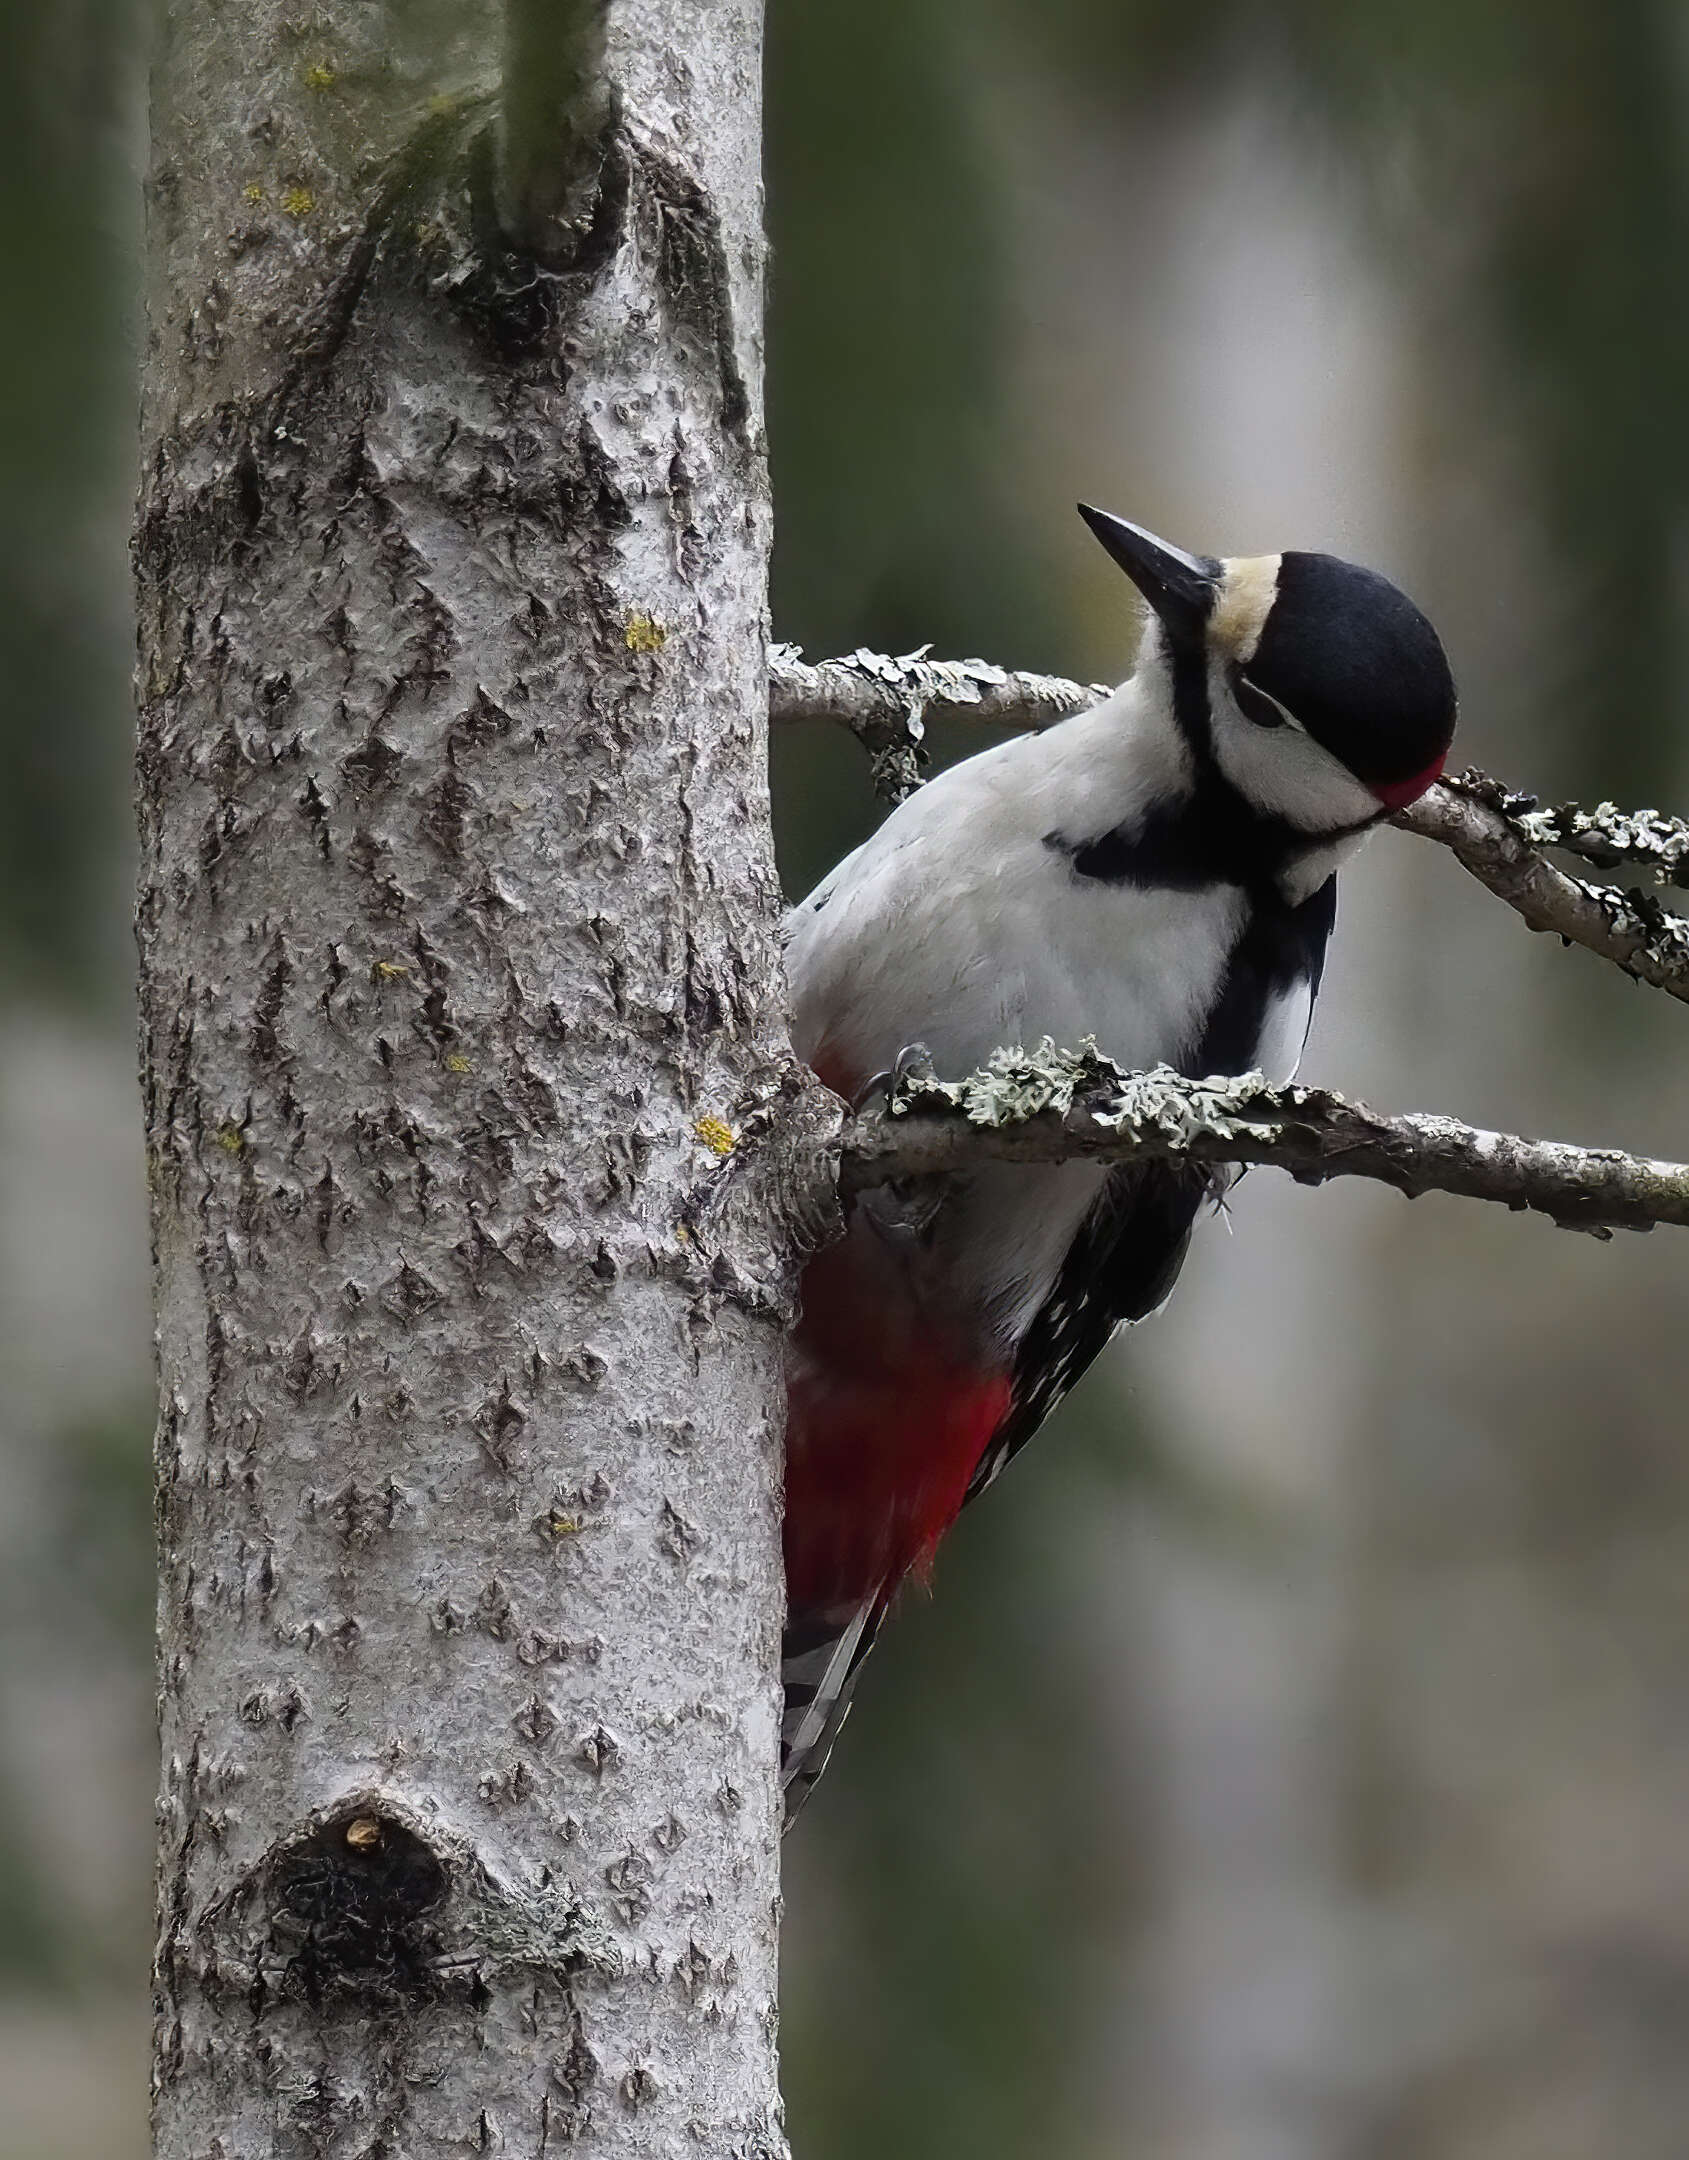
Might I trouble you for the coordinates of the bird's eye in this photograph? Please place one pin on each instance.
(1258, 706)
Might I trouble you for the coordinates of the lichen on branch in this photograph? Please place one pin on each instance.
(1498, 836)
(884, 700)
(1604, 836)
(1055, 1105)
(1495, 833)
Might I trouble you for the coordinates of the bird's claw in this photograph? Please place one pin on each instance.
(912, 1062)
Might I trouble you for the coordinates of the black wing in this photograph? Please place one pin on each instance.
(820, 1660)
(1132, 1245)
(1120, 1267)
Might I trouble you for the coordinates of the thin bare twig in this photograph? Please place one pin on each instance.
(1497, 835)
(1052, 1105)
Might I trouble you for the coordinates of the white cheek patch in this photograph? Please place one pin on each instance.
(1283, 770)
(1242, 605)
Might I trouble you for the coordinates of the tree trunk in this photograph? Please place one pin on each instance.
(457, 944)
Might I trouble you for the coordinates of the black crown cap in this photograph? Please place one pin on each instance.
(1351, 657)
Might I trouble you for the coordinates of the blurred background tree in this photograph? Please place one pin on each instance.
(1292, 1758)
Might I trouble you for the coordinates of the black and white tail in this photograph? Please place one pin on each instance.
(820, 1659)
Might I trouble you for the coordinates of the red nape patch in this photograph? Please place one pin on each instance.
(884, 1431)
(1397, 794)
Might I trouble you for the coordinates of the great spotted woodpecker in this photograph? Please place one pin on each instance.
(1159, 873)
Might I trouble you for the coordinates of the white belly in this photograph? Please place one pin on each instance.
(878, 967)
(875, 970)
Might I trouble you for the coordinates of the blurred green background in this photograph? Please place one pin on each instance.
(1293, 1758)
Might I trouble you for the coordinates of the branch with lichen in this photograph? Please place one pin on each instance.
(1497, 835)
(1604, 836)
(1050, 1105)
(884, 701)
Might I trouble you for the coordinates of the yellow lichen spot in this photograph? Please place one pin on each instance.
(252, 192)
(440, 104)
(231, 1140)
(319, 76)
(363, 1833)
(458, 1063)
(386, 970)
(561, 1525)
(298, 202)
(644, 634)
(716, 1135)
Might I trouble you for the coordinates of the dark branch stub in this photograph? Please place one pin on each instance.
(351, 1906)
(558, 108)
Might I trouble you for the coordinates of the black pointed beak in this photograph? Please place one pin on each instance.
(1179, 587)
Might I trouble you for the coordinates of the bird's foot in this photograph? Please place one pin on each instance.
(912, 1062)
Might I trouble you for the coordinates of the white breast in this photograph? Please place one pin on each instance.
(958, 926)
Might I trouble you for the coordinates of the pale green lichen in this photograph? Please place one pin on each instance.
(890, 722)
(1016, 1084)
(1607, 835)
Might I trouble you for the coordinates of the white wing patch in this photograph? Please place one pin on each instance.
(1284, 1032)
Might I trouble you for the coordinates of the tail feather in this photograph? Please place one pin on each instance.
(821, 1658)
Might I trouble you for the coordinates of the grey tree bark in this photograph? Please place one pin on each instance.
(456, 927)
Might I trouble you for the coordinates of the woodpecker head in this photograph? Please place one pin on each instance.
(1320, 691)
